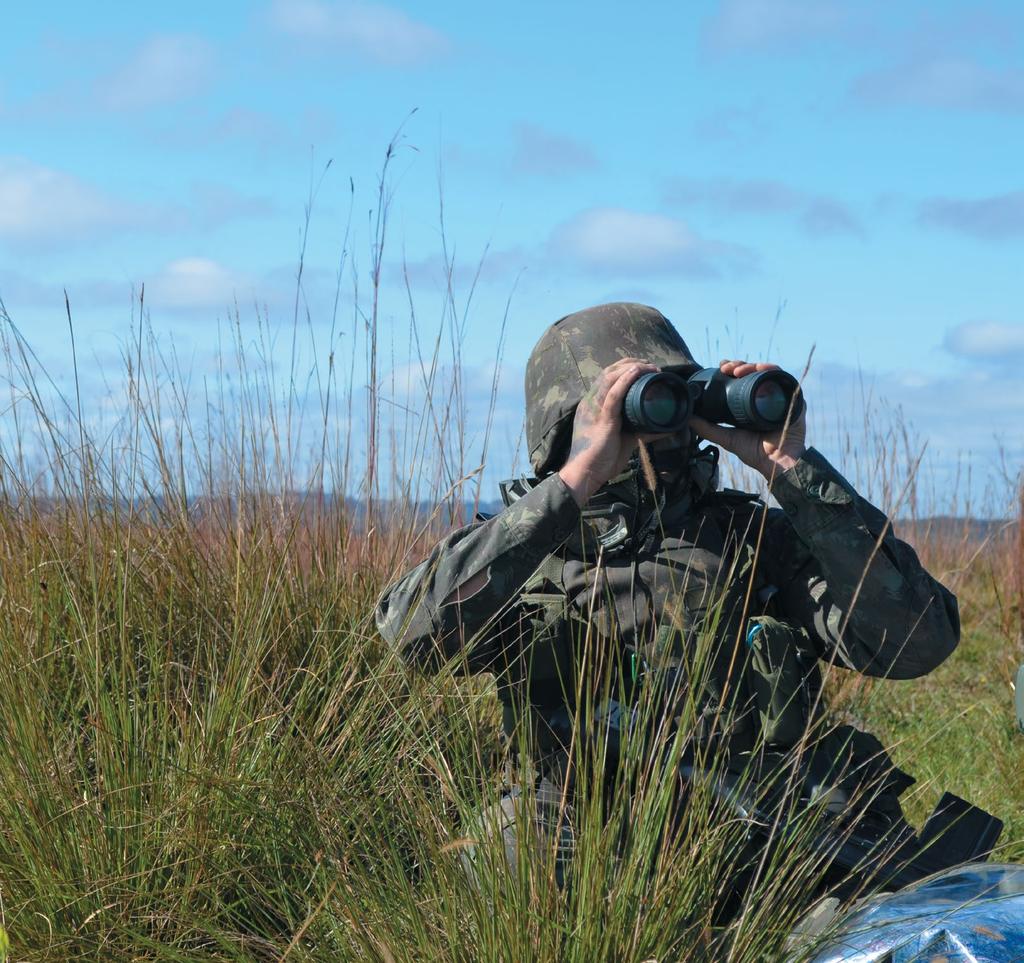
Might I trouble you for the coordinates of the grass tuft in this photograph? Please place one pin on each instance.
(207, 753)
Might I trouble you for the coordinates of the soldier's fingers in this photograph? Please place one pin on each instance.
(622, 361)
(624, 367)
(727, 367)
(739, 369)
(624, 379)
(716, 434)
(616, 366)
(608, 376)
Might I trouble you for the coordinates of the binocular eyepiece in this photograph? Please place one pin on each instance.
(663, 401)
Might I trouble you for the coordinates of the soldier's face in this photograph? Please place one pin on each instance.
(668, 454)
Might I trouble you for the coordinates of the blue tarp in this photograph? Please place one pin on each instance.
(971, 914)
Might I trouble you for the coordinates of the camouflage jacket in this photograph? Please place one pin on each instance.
(830, 561)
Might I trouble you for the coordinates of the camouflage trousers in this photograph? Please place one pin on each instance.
(530, 823)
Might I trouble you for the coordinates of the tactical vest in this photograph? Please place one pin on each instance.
(643, 596)
(646, 585)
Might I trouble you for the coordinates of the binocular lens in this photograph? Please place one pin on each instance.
(660, 404)
(770, 401)
(656, 402)
(758, 401)
(662, 401)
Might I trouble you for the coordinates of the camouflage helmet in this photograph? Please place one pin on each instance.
(571, 354)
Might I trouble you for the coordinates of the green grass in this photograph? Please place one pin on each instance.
(211, 756)
(207, 753)
(956, 729)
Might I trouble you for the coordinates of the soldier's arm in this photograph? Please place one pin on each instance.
(456, 601)
(860, 591)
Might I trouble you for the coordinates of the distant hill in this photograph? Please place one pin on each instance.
(954, 527)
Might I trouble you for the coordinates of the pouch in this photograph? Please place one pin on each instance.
(779, 670)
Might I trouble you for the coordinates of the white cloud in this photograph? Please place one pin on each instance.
(994, 218)
(19, 291)
(744, 25)
(243, 124)
(735, 196)
(191, 283)
(941, 56)
(216, 204)
(945, 82)
(162, 70)
(968, 427)
(491, 266)
(257, 129)
(405, 414)
(816, 214)
(373, 31)
(47, 207)
(733, 125)
(550, 153)
(987, 341)
(44, 207)
(825, 216)
(185, 286)
(613, 240)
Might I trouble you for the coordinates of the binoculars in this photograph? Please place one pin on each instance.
(663, 401)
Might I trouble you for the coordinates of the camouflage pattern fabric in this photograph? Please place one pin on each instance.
(843, 587)
(541, 812)
(859, 593)
(568, 357)
(849, 589)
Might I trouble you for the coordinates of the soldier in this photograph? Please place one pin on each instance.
(640, 563)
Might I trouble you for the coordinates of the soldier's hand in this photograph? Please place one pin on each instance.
(769, 453)
(600, 448)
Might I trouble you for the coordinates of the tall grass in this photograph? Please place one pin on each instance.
(206, 751)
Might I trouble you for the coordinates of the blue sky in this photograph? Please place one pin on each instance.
(772, 174)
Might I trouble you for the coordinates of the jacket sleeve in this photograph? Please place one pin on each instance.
(861, 593)
(483, 628)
